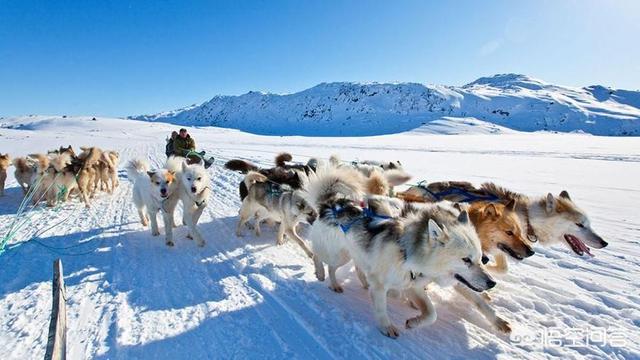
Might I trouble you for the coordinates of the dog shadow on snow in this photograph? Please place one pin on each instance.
(11, 200)
(250, 309)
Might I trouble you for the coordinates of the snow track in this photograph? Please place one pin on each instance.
(131, 297)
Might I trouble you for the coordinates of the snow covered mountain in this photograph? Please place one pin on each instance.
(338, 109)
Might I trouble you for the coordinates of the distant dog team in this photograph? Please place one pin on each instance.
(54, 176)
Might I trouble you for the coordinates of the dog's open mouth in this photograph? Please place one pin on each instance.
(510, 251)
(464, 281)
(577, 245)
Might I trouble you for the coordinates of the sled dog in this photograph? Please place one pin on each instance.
(266, 199)
(25, 169)
(194, 194)
(437, 243)
(547, 220)
(154, 191)
(5, 161)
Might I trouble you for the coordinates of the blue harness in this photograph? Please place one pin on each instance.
(467, 196)
(274, 189)
(367, 213)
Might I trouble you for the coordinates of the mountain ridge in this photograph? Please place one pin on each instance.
(513, 101)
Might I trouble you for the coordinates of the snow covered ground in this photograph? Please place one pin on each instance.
(130, 297)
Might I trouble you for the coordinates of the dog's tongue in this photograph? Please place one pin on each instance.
(577, 244)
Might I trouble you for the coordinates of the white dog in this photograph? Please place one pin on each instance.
(155, 191)
(194, 194)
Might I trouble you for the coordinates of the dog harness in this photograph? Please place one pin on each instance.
(367, 213)
(274, 189)
(468, 197)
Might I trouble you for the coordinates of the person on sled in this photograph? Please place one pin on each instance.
(182, 144)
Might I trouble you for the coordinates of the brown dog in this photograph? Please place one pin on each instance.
(498, 227)
(5, 161)
(24, 172)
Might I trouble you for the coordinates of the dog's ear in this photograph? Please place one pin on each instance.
(550, 203)
(511, 205)
(151, 173)
(436, 233)
(171, 172)
(489, 211)
(184, 166)
(463, 218)
(565, 195)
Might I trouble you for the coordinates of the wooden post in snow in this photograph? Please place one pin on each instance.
(57, 342)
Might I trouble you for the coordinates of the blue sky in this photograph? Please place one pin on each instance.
(122, 58)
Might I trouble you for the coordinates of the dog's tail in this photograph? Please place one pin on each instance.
(334, 183)
(253, 177)
(61, 161)
(114, 156)
(105, 158)
(334, 160)
(90, 156)
(241, 166)
(42, 161)
(396, 177)
(377, 184)
(174, 163)
(21, 164)
(282, 158)
(136, 169)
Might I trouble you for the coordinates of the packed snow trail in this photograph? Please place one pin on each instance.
(131, 297)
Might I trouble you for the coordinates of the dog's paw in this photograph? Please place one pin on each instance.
(390, 331)
(155, 233)
(503, 326)
(189, 237)
(144, 223)
(413, 323)
(336, 288)
(170, 243)
(280, 241)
